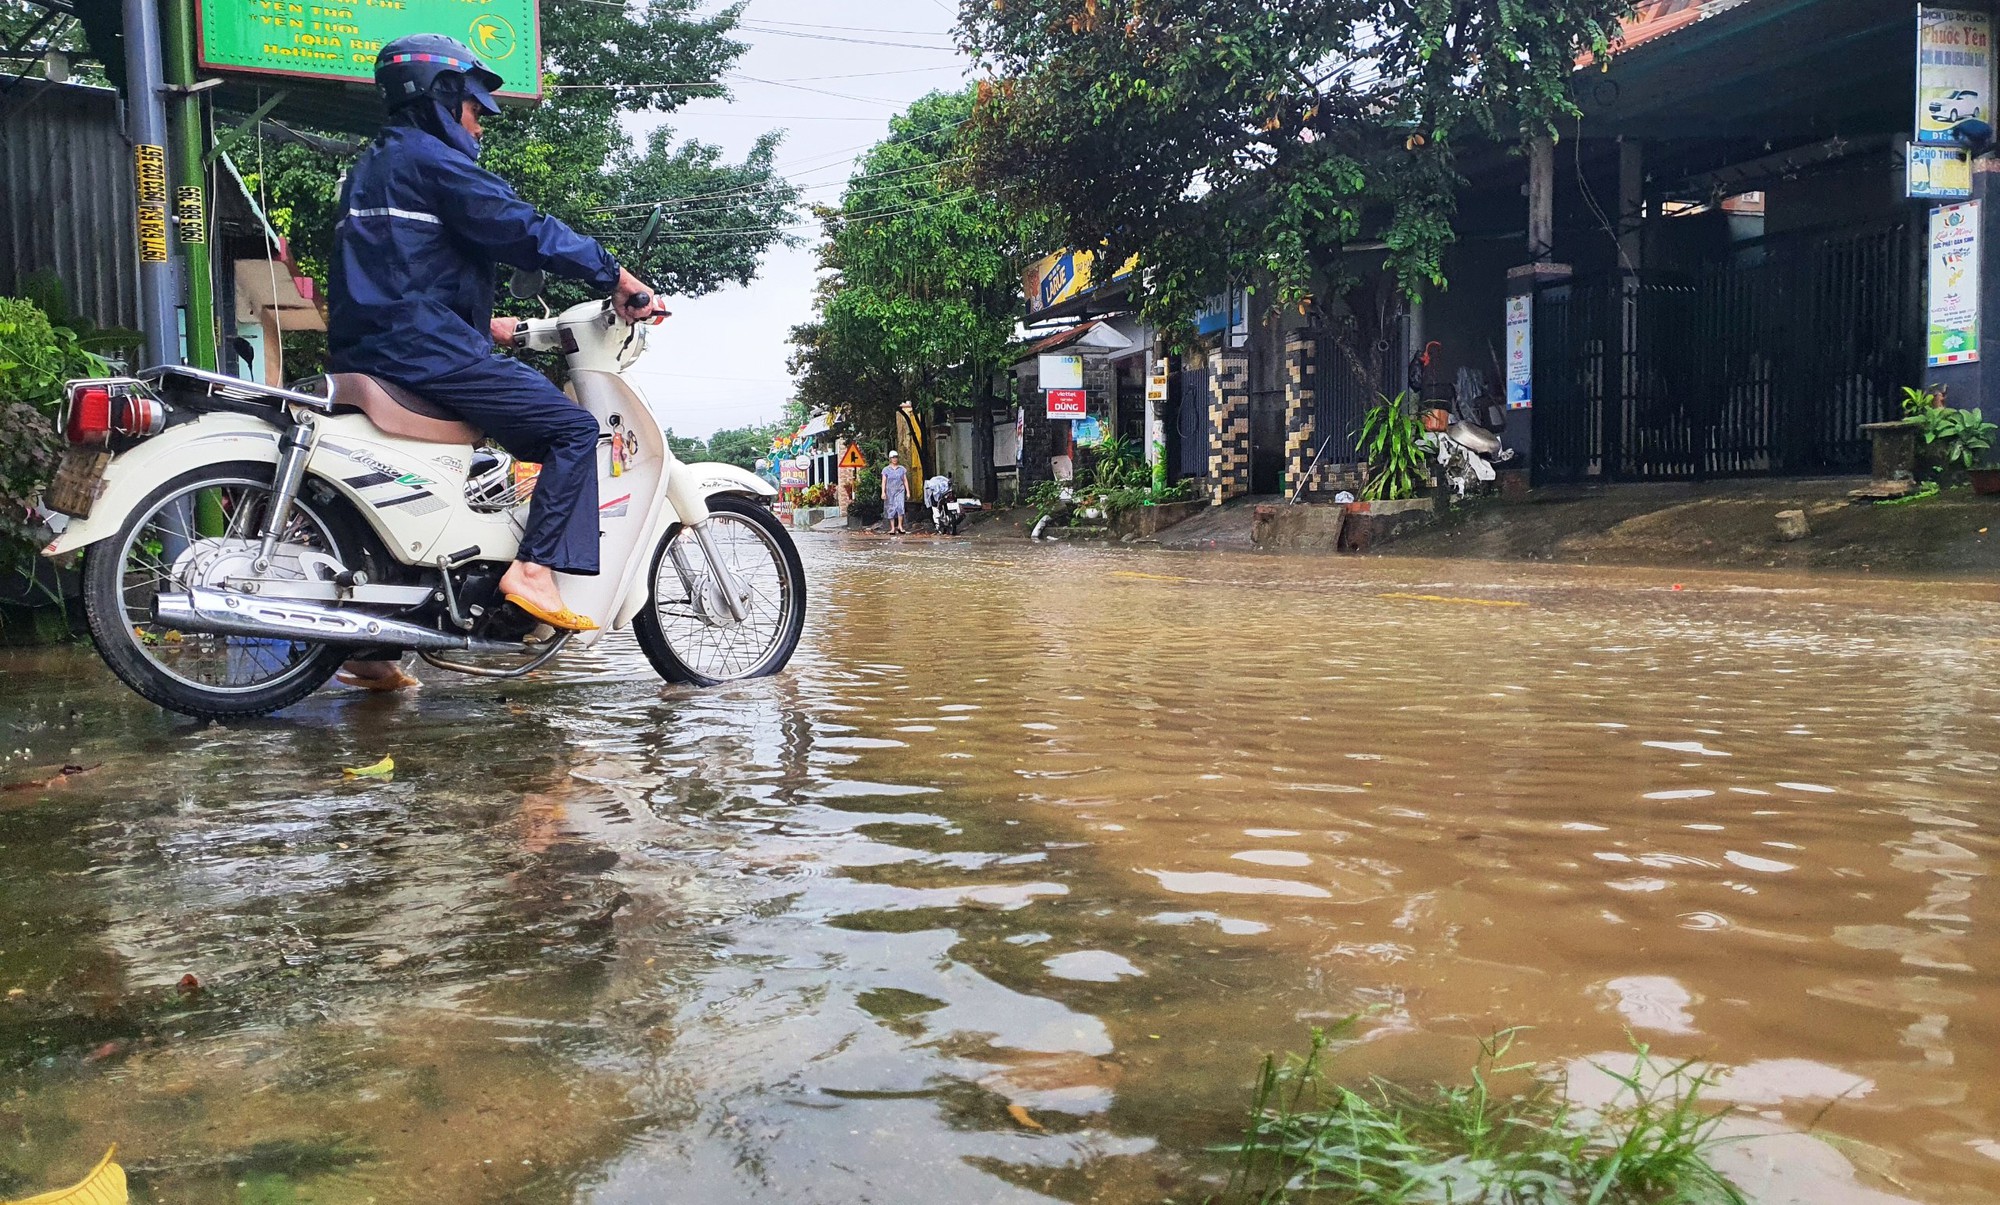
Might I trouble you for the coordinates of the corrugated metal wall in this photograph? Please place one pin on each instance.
(66, 198)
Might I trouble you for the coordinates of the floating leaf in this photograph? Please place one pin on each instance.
(1020, 1114)
(105, 1185)
(381, 769)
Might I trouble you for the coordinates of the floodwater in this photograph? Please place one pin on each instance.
(1002, 893)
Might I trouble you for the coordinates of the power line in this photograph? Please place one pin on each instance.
(780, 227)
(827, 37)
(921, 33)
(751, 191)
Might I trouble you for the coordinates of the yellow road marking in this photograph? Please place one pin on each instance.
(1470, 602)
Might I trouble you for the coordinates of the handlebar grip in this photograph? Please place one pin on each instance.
(641, 300)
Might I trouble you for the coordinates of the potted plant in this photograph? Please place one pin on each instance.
(1397, 450)
(1951, 440)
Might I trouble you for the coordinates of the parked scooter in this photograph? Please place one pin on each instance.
(947, 513)
(240, 541)
(1466, 454)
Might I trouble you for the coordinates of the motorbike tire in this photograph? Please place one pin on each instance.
(119, 644)
(658, 645)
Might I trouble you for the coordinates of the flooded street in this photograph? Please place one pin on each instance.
(1001, 893)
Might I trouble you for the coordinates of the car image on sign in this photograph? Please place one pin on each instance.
(1956, 105)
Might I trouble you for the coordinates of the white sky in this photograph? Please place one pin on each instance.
(719, 362)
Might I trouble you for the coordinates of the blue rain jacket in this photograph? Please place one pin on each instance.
(421, 229)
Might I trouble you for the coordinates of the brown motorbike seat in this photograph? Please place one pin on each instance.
(396, 411)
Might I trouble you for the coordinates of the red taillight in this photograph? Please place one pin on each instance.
(99, 411)
(89, 416)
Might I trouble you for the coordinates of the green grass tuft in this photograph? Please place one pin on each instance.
(1310, 1140)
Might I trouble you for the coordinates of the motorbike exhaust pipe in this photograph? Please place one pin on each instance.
(224, 614)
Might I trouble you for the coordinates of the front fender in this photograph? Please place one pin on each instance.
(138, 471)
(711, 479)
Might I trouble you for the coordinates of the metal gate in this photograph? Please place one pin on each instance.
(1348, 378)
(1765, 365)
(1194, 428)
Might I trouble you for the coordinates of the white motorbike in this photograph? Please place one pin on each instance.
(1466, 454)
(241, 541)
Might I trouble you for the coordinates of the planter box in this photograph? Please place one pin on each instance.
(1144, 522)
(1306, 528)
(1372, 523)
(805, 518)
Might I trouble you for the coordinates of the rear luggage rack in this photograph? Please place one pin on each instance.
(177, 382)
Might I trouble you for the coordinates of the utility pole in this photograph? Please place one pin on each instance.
(146, 126)
(190, 179)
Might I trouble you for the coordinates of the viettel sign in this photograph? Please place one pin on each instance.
(1068, 403)
(339, 41)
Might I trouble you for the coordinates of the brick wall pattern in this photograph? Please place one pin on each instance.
(1229, 416)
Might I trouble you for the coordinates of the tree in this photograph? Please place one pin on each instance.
(1223, 139)
(570, 157)
(923, 285)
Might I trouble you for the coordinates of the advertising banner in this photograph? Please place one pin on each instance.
(794, 473)
(1060, 372)
(1953, 284)
(338, 41)
(1520, 352)
(1054, 279)
(1068, 403)
(1937, 173)
(1954, 70)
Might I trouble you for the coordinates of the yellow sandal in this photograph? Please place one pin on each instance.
(563, 621)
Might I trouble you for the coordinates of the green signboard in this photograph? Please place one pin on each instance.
(337, 40)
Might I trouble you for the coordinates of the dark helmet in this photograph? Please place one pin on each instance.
(409, 68)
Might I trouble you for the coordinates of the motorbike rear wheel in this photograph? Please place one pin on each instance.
(689, 636)
(205, 676)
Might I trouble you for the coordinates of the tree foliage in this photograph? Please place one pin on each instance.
(922, 284)
(570, 157)
(1223, 139)
(36, 359)
(740, 446)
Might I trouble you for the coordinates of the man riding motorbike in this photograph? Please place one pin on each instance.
(421, 228)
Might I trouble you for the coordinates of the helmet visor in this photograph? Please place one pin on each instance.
(479, 86)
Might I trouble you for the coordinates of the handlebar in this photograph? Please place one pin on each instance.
(641, 300)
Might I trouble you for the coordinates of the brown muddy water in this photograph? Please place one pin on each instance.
(1002, 892)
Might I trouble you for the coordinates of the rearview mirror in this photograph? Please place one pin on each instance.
(525, 284)
(652, 228)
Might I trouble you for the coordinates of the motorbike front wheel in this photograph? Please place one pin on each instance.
(194, 530)
(686, 629)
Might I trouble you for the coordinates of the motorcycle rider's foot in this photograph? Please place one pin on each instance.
(532, 588)
(376, 675)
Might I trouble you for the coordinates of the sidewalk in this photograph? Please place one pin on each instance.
(1714, 524)
(1724, 524)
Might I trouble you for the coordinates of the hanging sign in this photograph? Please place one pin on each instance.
(1067, 403)
(852, 458)
(1954, 71)
(191, 213)
(336, 40)
(1520, 353)
(1060, 372)
(1156, 384)
(1937, 173)
(149, 167)
(1953, 285)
